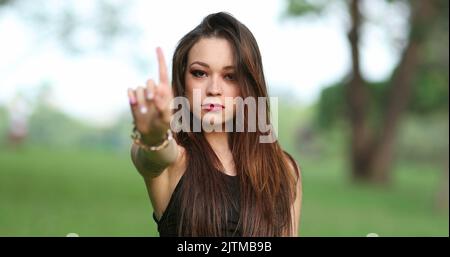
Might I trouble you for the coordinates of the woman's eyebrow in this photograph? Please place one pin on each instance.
(207, 66)
(229, 67)
(199, 63)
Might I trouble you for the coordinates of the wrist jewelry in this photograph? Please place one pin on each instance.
(136, 136)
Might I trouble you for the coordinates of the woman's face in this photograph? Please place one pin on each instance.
(210, 73)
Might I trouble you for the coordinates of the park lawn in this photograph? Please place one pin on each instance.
(53, 193)
(334, 206)
(93, 193)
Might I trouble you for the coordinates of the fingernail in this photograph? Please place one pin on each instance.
(150, 96)
(132, 100)
(143, 109)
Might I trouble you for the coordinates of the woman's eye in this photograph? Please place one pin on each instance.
(229, 77)
(198, 73)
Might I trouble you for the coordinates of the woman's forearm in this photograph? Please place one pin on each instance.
(152, 163)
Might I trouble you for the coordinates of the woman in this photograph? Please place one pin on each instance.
(212, 182)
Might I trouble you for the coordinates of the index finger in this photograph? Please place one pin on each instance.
(163, 77)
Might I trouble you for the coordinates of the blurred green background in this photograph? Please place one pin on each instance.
(373, 154)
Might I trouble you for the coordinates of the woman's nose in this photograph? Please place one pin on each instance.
(214, 87)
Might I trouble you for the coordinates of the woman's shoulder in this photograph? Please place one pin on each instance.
(293, 165)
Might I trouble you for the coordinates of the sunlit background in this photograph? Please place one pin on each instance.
(363, 107)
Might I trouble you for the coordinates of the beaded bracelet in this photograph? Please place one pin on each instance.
(136, 136)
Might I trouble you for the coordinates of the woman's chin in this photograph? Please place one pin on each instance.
(210, 124)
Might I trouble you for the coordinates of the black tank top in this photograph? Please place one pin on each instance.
(168, 224)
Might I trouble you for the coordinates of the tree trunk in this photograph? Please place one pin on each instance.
(372, 156)
(398, 99)
(399, 95)
(357, 97)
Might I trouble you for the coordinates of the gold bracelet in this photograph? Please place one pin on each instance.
(136, 136)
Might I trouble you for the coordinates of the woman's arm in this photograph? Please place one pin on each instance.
(151, 164)
(150, 106)
(296, 205)
(151, 111)
(297, 208)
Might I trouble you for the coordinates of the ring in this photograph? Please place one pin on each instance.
(143, 109)
(150, 96)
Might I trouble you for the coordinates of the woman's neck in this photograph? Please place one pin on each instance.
(218, 142)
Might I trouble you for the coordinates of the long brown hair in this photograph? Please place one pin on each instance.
(267, 186)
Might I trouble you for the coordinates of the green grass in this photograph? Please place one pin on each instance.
(53, 193)
(334, 206)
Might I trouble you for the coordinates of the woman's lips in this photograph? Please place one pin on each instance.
(212, 107)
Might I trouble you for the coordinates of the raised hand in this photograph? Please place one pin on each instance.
(150, 105)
